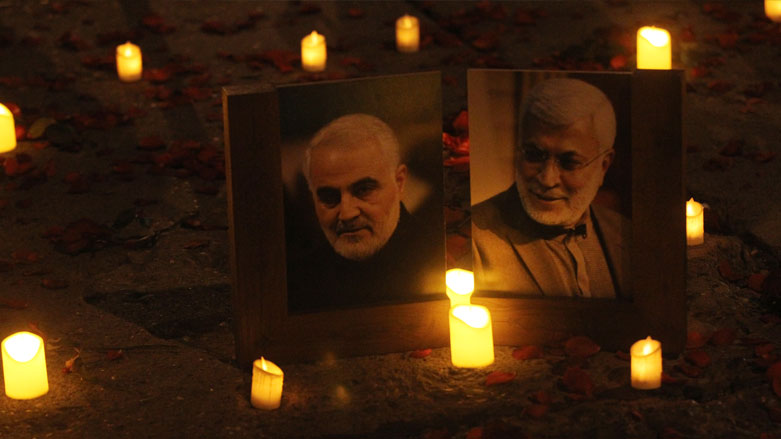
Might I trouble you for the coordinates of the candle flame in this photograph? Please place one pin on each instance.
(462, 282)
(693, 208)
(314, 38)
(22, 346)
(406, 21)
(657, 37)
(263, 364)
(648, 347)
(474, 316)
(4, 111)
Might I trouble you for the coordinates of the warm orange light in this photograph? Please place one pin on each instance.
(24, 366)
(407, 34)
(773, 10)
(267, 380)
(7, 130)
(646, 365)
(653, 48)
(460, 285)
(313, 52)
(129, 63)
(695, 229)
(471, 336)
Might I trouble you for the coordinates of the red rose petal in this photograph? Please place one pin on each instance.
(723, 336)
(420, 353)
(527, 353)
(579, 381)
(581, 346)
(698, 358)
(498, 377)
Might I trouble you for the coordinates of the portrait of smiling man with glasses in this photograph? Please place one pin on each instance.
(544, 235)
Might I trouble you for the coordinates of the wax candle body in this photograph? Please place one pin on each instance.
(653, 48)
(407, 34)
(7, 130)
(460, 285)
(129, 64)
(646, 364)
(313, 52)
(471, 336)
(773, 10)
(24, 366)
(695, 229)
(267, 380)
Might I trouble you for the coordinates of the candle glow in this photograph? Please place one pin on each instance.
(471, 336)
(24, 366)
(653, 48)
(129, 64)
(695, 230)
(267, 380)
(313, 52)
(773, 10)
(460, 285)
(407, 34)
(646, 364)
(7, 130)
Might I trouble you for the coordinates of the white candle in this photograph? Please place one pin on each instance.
(695, 230)
(471, 336)
(646, 364)
(460, 286)
(24, 366)
(129, 65)
(653, 48)
(267, 380)
(773, 10)
(313, 52)
(407, 34)
(7, 130)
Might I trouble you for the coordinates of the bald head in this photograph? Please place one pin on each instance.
(355, 131)
(560, 102)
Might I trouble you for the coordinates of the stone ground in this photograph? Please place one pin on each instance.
(113, 240)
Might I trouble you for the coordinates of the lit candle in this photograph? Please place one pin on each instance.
(24, 366)
(460, 285)
(653, 48)
(471, 336)
(695, 230)
(313, 52)
(129, 65)
(266, 384)
(646, 364)
(407, 34)
(7, 130)
(773, 10)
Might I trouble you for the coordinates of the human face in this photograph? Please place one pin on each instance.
(357, 196)
(558, 190)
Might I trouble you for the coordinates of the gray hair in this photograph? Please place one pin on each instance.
(560, 102)
(353, 130)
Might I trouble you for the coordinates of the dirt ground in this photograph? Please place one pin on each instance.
(113, 241)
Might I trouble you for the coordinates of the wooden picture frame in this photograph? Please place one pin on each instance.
(256, 214)
(658, 254)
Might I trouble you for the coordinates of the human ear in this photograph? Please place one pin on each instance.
(401, 177)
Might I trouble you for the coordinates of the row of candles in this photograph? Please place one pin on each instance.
(471, 346)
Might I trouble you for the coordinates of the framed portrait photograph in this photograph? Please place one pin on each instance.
(578, 223)
(337, 233)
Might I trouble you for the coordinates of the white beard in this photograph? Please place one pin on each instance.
(356, 248)
(569, 210)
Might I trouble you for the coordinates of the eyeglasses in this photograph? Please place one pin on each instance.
(566, 162)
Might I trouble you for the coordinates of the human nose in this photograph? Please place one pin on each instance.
(549, 174)
(349, 208)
